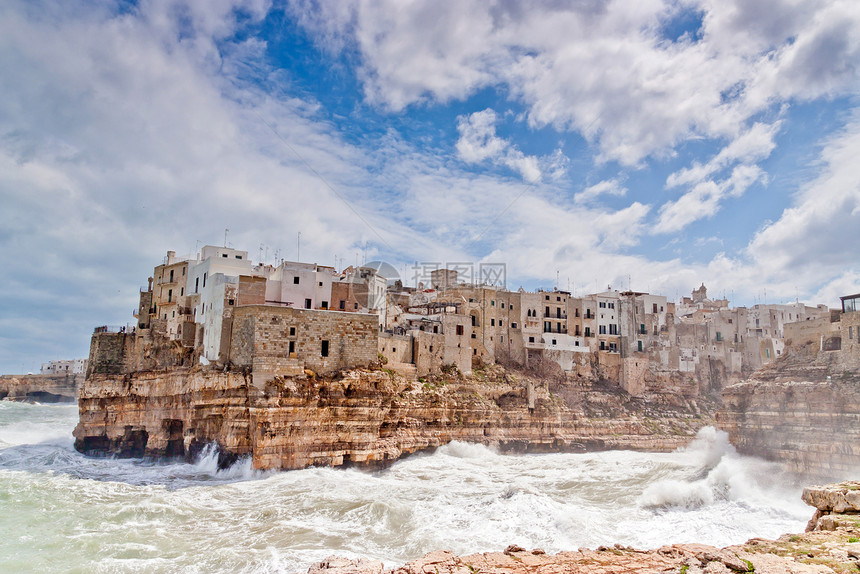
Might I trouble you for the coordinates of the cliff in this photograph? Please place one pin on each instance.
(831, 546)
(40, 388)
(803, 411)
(365, 416)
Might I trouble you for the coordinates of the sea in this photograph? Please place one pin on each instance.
(61, 511)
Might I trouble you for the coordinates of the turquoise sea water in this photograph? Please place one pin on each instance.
(63, 512)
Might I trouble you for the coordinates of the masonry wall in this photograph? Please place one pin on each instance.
(111, 353)
(262, 336)
(395, 348)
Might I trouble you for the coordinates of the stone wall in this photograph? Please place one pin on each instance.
(323, 341)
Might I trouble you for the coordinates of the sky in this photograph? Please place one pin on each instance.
(652, 145)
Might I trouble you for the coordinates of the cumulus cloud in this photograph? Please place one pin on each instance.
(606, 187)
(478, 142)
(605, 70)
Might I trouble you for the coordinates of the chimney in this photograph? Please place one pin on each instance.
(171, 256)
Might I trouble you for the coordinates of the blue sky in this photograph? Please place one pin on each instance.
(654, 145)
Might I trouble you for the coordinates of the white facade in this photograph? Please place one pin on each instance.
(73, 367)
(300, 285)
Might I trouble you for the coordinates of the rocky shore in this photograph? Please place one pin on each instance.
(830, 545)
(369, 417)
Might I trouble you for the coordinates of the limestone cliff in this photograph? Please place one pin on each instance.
(365, 416)
(803, 411)
(40, 388)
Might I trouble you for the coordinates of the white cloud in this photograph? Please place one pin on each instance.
(605, 187)
(478, 142)
(605, 69)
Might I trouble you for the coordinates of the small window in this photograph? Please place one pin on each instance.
(342, 305)
(169, 295)
(459, 329)
(324, 349)
(295, 280)
(181, 291)
(171, 276)
(502, 339)
(320, 283)
(204, 280)
(238, 257)
(503, 305)
(292, 331)
(513, 325)
(558, 298)
(356, 305)
(325, 304)
(492, 303)
(531, 339)
(640, 345)
(492, 322)
(547, 297)
(292, 347)
(224, 255)
(196, 284)
(431, 348)
(307, 303)
(553, 342)
(183, 271)
(230, 301)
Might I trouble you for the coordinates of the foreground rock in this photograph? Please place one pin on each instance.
(835, 548)
(365, 417)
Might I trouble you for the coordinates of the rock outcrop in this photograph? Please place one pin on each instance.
(834, 549)
(364, 417)
(41, 388)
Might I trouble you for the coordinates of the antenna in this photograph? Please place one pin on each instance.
(298, 246)
(226, 231)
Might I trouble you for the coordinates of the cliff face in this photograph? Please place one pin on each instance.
(40, 388)
(362, 417)
(803, 411)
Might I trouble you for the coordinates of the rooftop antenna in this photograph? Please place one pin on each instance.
(365, 252)
(226, 231)
(298, 246)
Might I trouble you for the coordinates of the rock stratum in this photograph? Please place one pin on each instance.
(829, 546)
(40, 388)
(802, 411)
(367, 417)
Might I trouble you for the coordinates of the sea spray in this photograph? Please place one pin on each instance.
(60, 510)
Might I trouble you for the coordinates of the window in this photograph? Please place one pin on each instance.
(767, 353)
(553, 342)
(320, 283)
(196, 284)
(324, 349)
(238, 257)
(547, 326)
(531, 339)
(641, 328)
(492, 322)
(612, 305)
(230, 301)
(640, 346)
(719, 336)
(547, 297)
(342, 305)
(325, 304)
(169, 295)
(181, 291)
(503, 305)
(602, 329)
(292, 331)
(602, 305)
(502, 339)
(431, 348)
(613, 329)
(492, 303)
(307, 303)
(171, 276)
(356, 306)
(513, 325)
(655, 307)
(547, 312)
(576, 343)
(295, 280)
(183, 271)
(851, 332)
(459, 329)
(602, 345)
(588, 331)
(558, 298)
(292, 347)
(204, 280)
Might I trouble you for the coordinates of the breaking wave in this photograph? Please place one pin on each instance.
(121, 515)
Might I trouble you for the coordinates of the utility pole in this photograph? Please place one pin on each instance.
(225, 236)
